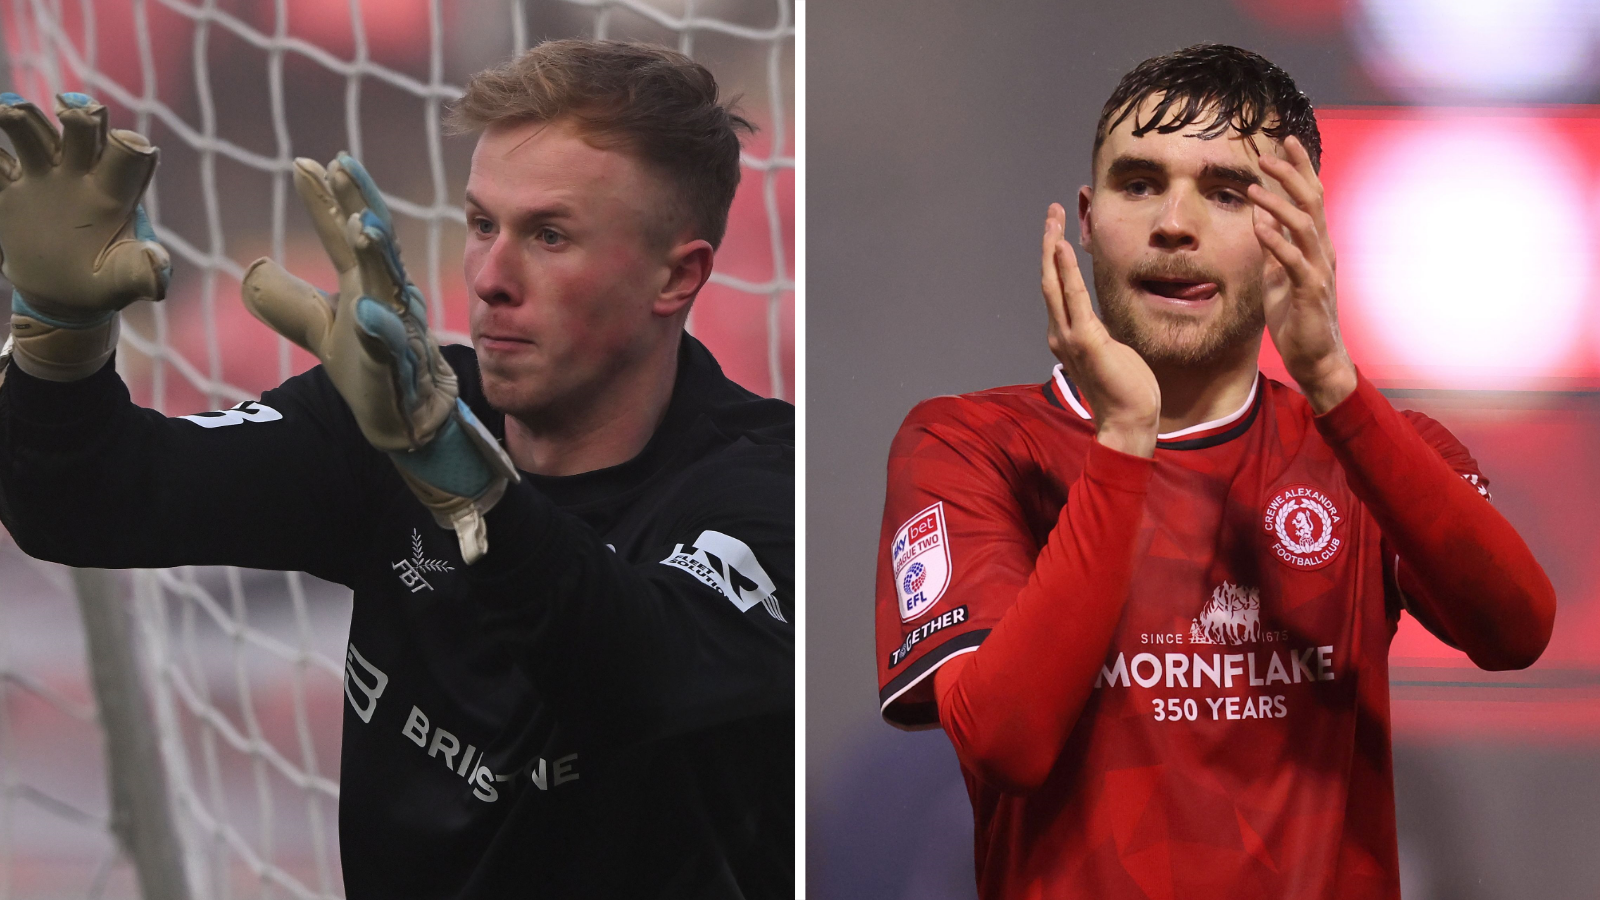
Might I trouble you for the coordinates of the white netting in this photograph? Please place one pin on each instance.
(247, 666)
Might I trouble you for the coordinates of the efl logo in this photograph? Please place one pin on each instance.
(1305, 522)
(921, 561)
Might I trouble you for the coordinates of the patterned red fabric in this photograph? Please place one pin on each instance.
(1223, 616)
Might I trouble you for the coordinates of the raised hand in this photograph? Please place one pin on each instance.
(1121, 390)
(1301, 304)
(76, 245)
(373, 340)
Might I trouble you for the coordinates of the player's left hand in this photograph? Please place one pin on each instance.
(1300, 301)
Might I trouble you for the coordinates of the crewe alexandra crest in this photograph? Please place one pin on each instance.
(1306, 525)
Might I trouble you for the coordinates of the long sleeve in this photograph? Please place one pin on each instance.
(1010, 706)
(87, 478)
(1474, 581)
(687, 627)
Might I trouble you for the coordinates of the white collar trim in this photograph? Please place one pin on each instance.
(1066, 392)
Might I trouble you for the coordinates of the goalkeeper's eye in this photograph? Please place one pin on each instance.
(482, 226)
(548, 237)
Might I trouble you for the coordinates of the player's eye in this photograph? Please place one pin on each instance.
(1229, 197)
(548, 237)
(1138, 188)
(482, 225)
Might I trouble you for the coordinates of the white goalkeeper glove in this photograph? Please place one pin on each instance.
(76, 245)
(372, 338)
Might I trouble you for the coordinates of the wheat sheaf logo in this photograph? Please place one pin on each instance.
(1231, 616)
(410, 570)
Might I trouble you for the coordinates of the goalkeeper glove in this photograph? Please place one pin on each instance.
(372, 338)
(75, 242)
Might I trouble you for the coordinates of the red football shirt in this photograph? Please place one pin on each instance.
(1236, 741)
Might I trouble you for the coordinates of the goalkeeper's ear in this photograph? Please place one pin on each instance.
(688, 268)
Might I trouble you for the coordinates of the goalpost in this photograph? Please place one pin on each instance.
(174, 733)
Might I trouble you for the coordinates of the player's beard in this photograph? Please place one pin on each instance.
(1178, 340)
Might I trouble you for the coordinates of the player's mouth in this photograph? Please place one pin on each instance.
(1187, 292)
(501, 343)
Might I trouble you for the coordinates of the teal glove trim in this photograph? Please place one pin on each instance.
(367, 187)
(144, 232)
(383, 323)
(20, 306)
(10, 99)
(450, 462)
(75, 99)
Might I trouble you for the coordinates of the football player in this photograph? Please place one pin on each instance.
(570, 667)
(1150, 600)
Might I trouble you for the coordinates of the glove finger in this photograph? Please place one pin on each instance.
(356, 190)
(9, 170)
(384, 335)
(311, 183)
(288, 305)
(134, 270)
(382, 276)
(37, 144)
(83, 130)
(126, 165)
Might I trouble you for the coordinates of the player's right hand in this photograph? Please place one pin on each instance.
(75, 243)
(1121, 390)
(373, 341)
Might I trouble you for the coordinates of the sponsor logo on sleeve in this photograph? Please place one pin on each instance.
(926, 630)
(248, 411)
(921, 560)
(369, 682)
(728, 566)
(1305, 523)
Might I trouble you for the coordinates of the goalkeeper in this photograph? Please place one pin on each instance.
(570, 668)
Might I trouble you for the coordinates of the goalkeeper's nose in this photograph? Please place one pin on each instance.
(495, 271)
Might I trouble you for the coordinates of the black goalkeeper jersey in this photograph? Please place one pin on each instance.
(601, 707)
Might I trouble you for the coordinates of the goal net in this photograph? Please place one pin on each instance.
(244, 671)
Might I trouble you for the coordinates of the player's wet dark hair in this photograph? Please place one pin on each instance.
(1225, 86)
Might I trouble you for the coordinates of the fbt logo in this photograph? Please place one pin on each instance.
(920, 556)
(728, 566)
(248, 411)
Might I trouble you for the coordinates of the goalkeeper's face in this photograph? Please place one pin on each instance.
(574, 289)
(1178, 269)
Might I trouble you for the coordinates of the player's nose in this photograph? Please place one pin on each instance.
(498, 279)
(1176, 225)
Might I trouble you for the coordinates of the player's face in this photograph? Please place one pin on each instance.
(562, 269)
(1178, 270)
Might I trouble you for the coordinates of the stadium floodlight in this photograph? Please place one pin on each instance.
(1465, 244)
(1443, 51)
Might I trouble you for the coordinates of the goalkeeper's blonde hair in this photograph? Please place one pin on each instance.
(654, 103)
